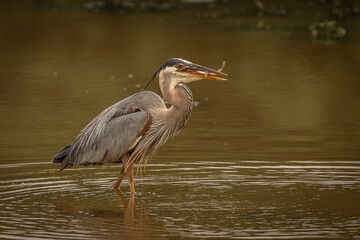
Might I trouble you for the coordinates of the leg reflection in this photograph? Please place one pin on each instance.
(128, 207)
(137, 224)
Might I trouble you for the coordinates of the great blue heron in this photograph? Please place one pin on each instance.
(133, 129)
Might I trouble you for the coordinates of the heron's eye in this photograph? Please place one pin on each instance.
(178, 66)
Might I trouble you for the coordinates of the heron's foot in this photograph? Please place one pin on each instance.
(117, 184)
(118, 181)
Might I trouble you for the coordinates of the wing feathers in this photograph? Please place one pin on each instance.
(115, 138)
(112, 133)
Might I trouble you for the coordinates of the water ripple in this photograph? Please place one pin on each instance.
(185, 198)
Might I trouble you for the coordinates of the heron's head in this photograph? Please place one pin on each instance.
(178, 70)
(186, 72)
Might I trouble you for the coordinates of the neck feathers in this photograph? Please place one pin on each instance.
(179, 96)
(166, 122)
(186, 102)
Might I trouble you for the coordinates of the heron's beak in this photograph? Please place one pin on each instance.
(198, 71)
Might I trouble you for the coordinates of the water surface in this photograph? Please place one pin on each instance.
(271, 154)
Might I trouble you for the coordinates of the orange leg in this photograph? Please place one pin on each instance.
(120, 178)
(130, 176)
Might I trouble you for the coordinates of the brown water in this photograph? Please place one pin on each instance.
(271, 154)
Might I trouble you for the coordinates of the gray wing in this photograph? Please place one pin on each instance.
(112, 133)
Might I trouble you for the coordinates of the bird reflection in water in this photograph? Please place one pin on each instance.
(126, 221)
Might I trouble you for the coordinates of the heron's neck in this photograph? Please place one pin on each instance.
(181, 99)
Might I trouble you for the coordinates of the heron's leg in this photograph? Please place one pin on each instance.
(120, 178)
(130, 176)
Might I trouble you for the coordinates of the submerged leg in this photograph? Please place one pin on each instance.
(120, 178)
(130, 176)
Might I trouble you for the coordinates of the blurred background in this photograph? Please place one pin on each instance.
(271, 153)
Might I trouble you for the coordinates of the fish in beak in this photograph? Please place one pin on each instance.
(198, 71)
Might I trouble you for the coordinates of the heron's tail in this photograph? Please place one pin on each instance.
(61, 155)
